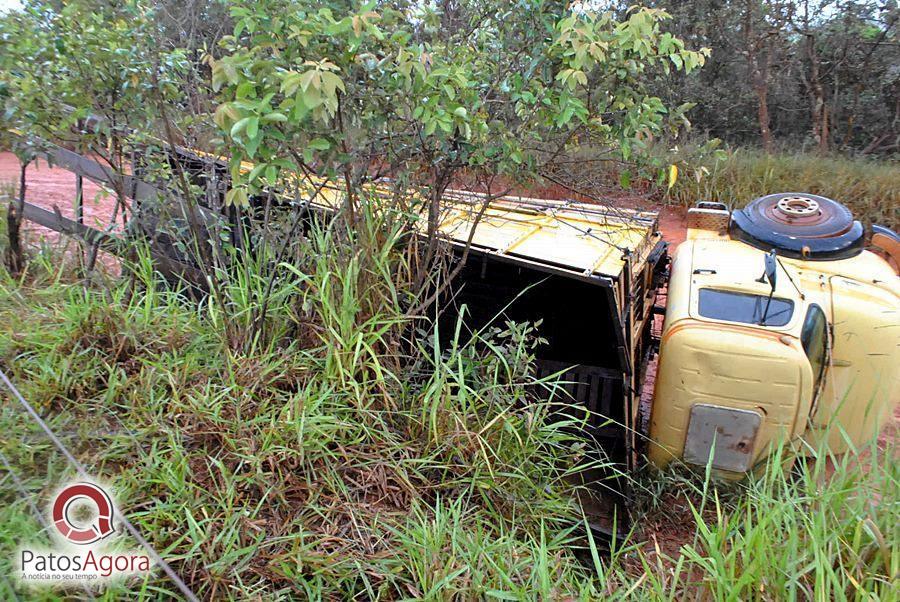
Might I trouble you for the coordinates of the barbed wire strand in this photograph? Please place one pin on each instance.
(84, 474)
(25, 495)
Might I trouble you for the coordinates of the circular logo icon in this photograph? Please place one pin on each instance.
(77, 493)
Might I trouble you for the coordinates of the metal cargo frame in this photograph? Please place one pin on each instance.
(616, 289)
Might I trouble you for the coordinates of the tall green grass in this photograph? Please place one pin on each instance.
(335, 459)
(871, 189)
(824, 530)
(340, 457)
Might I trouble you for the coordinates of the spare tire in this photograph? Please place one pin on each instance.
(800, 225)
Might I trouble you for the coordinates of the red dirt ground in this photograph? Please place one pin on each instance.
(50, 187)
(54, 188)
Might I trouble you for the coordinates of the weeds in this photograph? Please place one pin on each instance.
(335, 458)
(305, 465)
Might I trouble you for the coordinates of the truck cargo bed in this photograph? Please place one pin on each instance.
(587, 272)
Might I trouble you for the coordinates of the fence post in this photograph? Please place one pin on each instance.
(13, 223)
(79, 198)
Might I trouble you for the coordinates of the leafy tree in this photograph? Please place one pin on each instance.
(434, 97)
(849, 73)
(827, 69)
(86, 75)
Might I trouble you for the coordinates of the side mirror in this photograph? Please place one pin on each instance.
(770, 274)
(887, 241)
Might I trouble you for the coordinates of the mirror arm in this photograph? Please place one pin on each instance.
(788, 274)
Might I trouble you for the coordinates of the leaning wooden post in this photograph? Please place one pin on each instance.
(79, 209)
(79, 198)
(79, 187)
(15, 258)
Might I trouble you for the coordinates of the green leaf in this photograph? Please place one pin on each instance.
(237, 197)
(564, 75)
(254, 173)
(310, 78)
(251, 146)
(245, 89)
(290, 83)
(238, 127)
(300, 111)
(225, 112)
(330, 82)
(312, 97)
(252, 127)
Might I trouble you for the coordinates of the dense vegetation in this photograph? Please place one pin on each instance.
(871, 189)
(299, 432)
(317, 467)
(794, 75)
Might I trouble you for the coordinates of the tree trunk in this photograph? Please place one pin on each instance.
(824, 142)
(759, 65)
(818, 104)
(15, 257)
(762, 112)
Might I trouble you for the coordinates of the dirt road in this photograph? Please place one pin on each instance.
(50, 188)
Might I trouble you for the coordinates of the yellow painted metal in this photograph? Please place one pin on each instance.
(584, 238)
(864, 376)
(765, 369)
(589, 239)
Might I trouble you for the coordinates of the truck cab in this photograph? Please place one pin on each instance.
(774, 336)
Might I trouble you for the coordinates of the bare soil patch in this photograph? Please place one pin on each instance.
(54, 187)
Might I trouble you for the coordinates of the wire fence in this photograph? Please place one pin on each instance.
(82, 472)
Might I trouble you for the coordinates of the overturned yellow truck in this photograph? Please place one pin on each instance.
(779, 325)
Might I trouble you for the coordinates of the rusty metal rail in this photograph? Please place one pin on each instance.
(106, 242)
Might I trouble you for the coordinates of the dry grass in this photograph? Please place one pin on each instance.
(871, 189)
